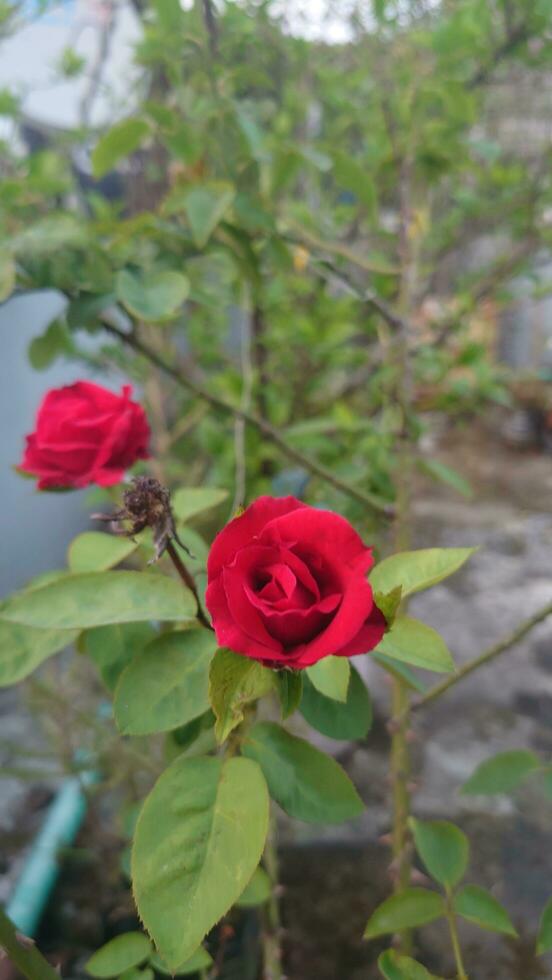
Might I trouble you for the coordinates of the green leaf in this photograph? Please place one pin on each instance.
(22, 649)
(544, 938)
(307, 784)
(100, 598)
(417, 570)
(331, 676)
(415, 643)
(289, 685)
(400, 670)
(446, 474)
(187, 502)
(200, 960)
(480, 907)
(7, 275)
(353, 177)
(153, 297)
(257, 892)
(234, 682)
(406, 910)
(119, 954)
(113, 647)
(166, 685)
(121, 140)
(94, 551)
(205, 206)
(44, 350)
(199, 837)
(443, 848)
(388, 603)
(135, 973)
(502, 773)
(393, 966)
(349, 720)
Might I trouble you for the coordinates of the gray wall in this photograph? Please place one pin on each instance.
(35, 528)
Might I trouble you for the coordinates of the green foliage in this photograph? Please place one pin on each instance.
(405, 910)
(393, 966)
(199, 838)
(443, 848)
(119, 954)
(205, 206)
(119, 142)
(257, 892)
(112, 648)
(330, 676)
(306, 783)
(412, 642)
(234, 682)
(166, 685)
(502, 773)
(289, 685)
(544, 939)
(94, 551)
(188, 502)
(23, 649)
(480, 907)
(101, 598)
(388, 603)
(350, 719)
(446, 474)
(200, 960)
(417, 570)
(155, 296)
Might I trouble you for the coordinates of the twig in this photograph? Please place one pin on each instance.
(517, 36)
(369, 500)
(486, 657)
(23, 953)
(189, 582)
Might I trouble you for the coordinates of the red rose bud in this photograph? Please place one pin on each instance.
(287, 585)
(85, 434)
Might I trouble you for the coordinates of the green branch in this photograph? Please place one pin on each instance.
(23, 953)
(486, 657)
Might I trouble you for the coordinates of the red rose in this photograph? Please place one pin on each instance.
(85, 434)
(287, 584)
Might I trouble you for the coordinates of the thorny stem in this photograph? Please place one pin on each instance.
(271, 934)
(484, 658)
(457, 952)
(23, 953)
(189, 582)
(369, 500)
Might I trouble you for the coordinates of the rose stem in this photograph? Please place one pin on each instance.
(451, 919)
(189, 582)
(23, 953)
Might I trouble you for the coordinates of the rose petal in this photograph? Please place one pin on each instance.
(243, 530)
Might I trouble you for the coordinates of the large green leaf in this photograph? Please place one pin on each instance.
(121, 140)
(544, 939)
(414, 643)
(100, 598)
(205, 205)
(235, 682)
(199, 837)
(416, 570)
(94, 551)
(406, 910)
(502, 773)
(443, 848)
(166, 685)
(307, 784)
(189, 501)
(349, 720)
(113, 647)
(480, 907)
(257, 892)
(154, 297)
(330, 676)
(23, 648)
(393, 966)
(119, 954)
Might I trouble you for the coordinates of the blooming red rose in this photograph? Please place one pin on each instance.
(85, 434)
(287, 585)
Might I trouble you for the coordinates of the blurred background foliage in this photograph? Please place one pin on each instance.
(324, 235)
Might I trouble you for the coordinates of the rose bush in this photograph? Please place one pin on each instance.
(85, 434)
(287, 585)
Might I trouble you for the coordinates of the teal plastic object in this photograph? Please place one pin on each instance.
(41, 869)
